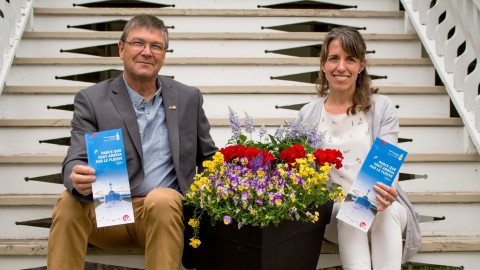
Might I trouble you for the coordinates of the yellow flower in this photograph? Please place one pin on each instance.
(278, 202)
(194, 222)
(315, 218)
(194, 242)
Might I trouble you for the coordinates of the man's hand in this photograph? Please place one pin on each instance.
(386, 195)
(82, 178)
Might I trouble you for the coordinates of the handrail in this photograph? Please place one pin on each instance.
(445, 28)
(16, 17)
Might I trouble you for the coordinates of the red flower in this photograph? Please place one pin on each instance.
(234, 151)
(332, 156)
(292, 153)
(239, 151)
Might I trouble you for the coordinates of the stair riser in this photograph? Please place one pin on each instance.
(459, 220)
(12, 214)
(25, 140)
(218, 75)
(256, 105)
(443, 177)
(228, 23)
(469, 260)
(213, 48)
(244, 4)
(440, 177)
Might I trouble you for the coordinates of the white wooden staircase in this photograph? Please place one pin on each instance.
(227, 49)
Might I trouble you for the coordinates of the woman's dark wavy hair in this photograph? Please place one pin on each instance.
(353, 43)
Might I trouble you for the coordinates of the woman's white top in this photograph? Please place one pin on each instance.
(350, 135)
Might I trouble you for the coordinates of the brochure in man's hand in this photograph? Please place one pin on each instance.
(111, 190)
(381, 165)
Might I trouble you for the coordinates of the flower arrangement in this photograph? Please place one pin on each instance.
(279, 177)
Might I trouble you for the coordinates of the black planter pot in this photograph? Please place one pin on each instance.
(289, 246)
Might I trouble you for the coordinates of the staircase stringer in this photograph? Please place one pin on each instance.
(434, 25)
(18, 15)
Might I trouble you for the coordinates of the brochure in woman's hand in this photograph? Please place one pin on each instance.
(381, 165)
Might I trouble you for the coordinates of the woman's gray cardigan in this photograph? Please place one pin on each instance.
(383, 123)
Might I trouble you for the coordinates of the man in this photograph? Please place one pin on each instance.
(166, 135)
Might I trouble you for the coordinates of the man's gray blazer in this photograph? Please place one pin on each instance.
(107, 105)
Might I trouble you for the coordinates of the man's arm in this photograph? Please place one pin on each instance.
(78, 181)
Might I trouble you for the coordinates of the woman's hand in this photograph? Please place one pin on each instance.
(386, 195)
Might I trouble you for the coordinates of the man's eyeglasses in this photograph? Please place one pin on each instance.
(140, 46)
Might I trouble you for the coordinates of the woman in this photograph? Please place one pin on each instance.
(351, 115)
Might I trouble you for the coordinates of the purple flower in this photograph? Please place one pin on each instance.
(227, 219)
(258, 202)
(279, 133)
(249, 127)
(256, 162)
(245, 196)
(262, 131)
(234, 124)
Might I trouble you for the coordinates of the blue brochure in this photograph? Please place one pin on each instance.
(381, 165)
(111, 190)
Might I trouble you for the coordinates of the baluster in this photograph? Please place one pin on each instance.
(472, 82)
(441, 33)
(461, 67)
(433, 15)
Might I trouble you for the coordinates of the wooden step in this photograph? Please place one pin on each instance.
(439, 175)
(248, 48)
(274, 90)
(414, 197)
(216, 105)
(372, 5)
(244, 20)
(413, 139)
(222, 71)
(303, 36)
(164, 12)
(304, 61)
(224, 122)
(412, 158)
(429, 244)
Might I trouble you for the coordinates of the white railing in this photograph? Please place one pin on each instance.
(16, 15)
(449, 31)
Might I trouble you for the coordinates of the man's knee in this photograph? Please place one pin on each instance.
(164, 200)
(68, 209)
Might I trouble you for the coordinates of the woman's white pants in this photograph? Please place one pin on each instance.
(385, 237)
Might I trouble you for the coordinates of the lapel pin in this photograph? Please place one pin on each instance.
(172, 107)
